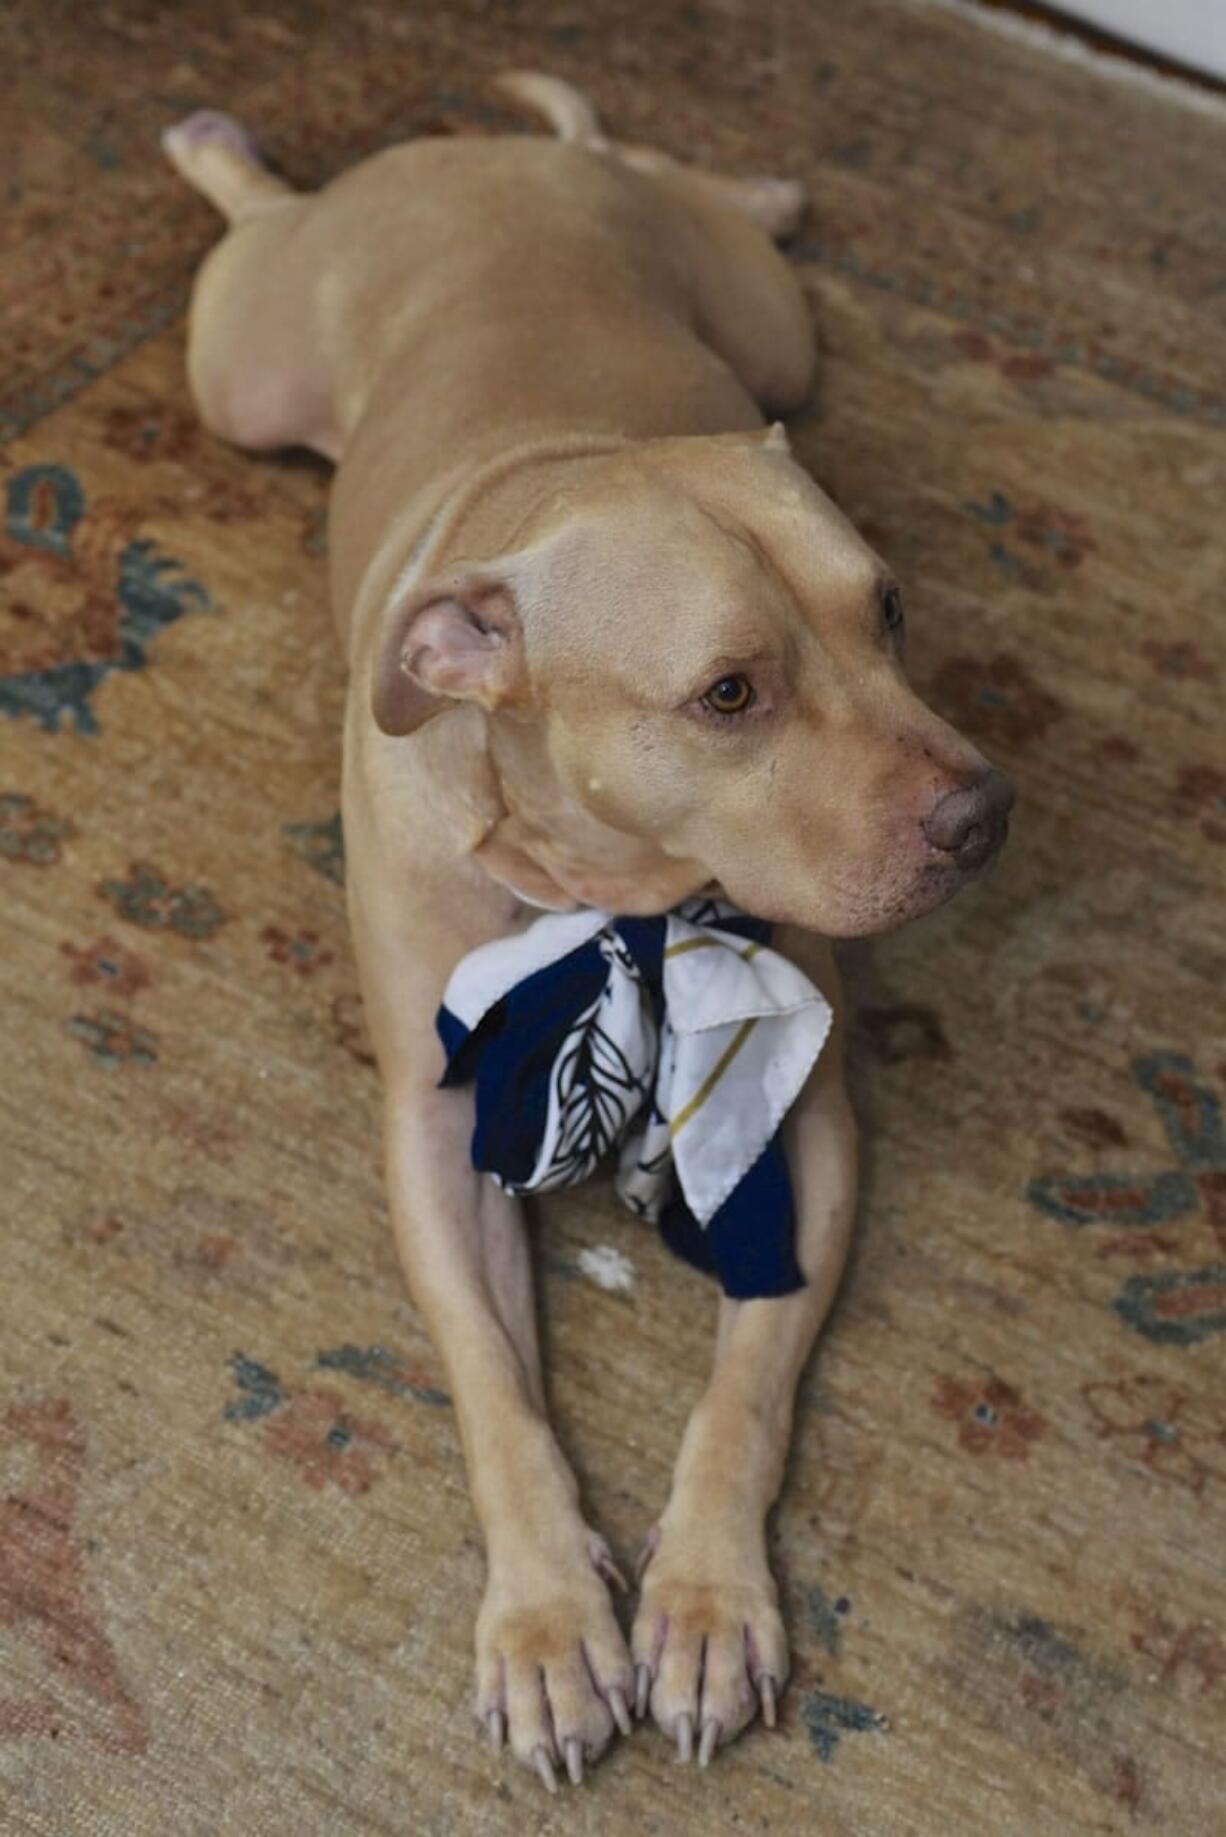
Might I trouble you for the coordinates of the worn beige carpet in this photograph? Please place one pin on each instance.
(238, 1569)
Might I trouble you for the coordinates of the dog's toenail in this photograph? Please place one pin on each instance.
(706, 1747)
(544, 1768)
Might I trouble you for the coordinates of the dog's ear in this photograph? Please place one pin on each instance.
(455, 640)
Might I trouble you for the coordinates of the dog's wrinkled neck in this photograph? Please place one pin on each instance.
(553, 852)
(514, 849)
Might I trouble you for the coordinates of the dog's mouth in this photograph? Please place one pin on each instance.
(869, 906)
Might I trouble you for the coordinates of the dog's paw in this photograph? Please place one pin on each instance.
(709, 1645)
(208, 127)
(208, 145)
(777, 205)
(554, 1679)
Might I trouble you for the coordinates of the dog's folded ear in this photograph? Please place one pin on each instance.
(457, 639)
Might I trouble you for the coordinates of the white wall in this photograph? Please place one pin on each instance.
(1193, 31)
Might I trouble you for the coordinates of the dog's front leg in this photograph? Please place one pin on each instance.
(553, 1671)
(709, 1643)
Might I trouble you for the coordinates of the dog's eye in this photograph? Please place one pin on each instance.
(730, 695)
(891, 610)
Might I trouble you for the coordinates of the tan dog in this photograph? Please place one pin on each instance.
(608, 644)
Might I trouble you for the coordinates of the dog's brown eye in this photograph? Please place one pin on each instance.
(891, 609)
(730, 695)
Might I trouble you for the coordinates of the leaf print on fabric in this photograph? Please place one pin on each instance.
(598, 1086)
(597, 1093)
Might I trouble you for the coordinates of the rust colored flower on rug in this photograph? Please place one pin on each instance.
(310, 1429)
(1183, 661)
(300, 950)
(1200, 794)
(991, 1416)
(1019, 366)
(1060, 533)
(326, 1443)
(1195, 1651)
(151, 431)
(906, 1031)
(1177, 1435)
(996, 698)
(107, 964)
(30, 834)
(222, 500)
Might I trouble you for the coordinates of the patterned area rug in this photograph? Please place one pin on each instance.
(238, 1569)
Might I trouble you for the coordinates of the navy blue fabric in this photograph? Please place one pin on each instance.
(749, 1245)
(510, 1057)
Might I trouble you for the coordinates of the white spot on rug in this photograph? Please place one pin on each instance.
(608, 1268)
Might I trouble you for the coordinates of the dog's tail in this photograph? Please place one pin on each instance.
(567, 110)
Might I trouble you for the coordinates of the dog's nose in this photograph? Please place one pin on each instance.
(971, 823)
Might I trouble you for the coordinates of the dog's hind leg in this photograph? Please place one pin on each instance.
(254, 356)
(775, 205)
(215, 153)
(748, 305)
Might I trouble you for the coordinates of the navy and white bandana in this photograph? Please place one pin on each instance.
(680, 1041)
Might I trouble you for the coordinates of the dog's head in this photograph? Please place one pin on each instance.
(692, 669)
